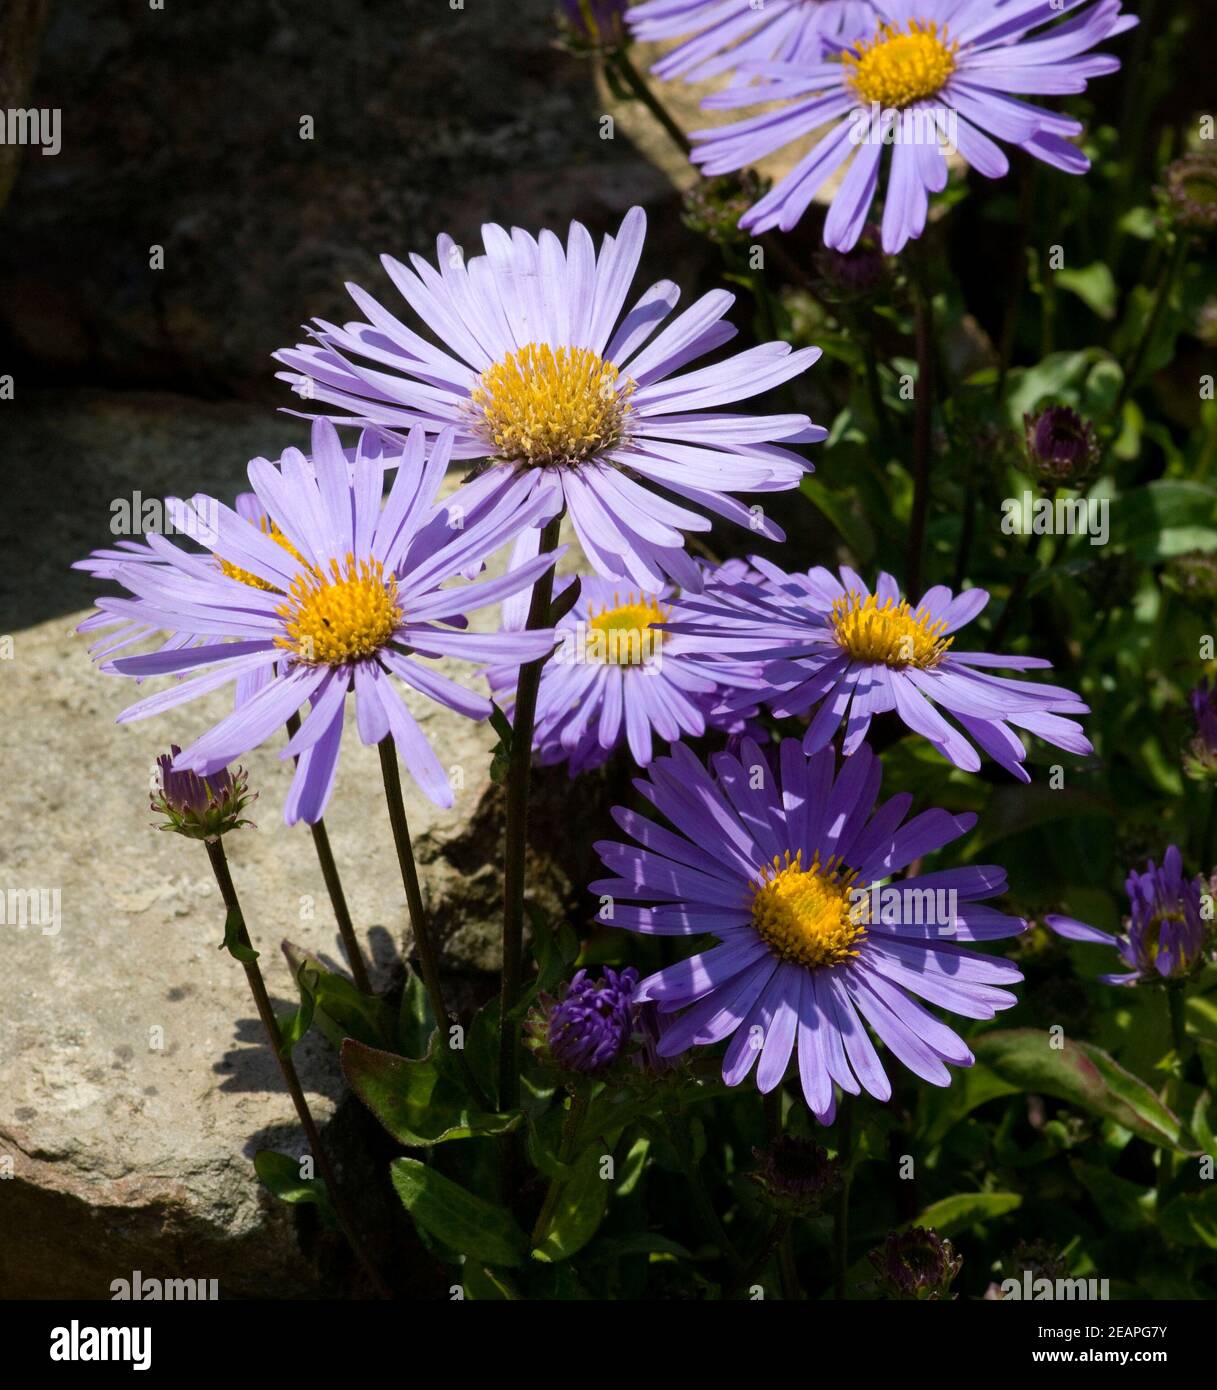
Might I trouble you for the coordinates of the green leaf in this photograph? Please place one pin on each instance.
(1126, 1206)
(967, 1209)
(340, 1009)
(1191, 1219)
(234, 930)
(280, 1173)
(579, 1211)
(1083, 1075)
(292, 1029)
(1094, 285)
(415, 1021)
(415, 1099)
(850, 524)
(1164, 518)
(467, 1225)
(500, 759)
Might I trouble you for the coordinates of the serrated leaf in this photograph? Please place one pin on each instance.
(468, 1225)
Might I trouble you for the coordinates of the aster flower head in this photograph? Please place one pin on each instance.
(726, 35)
(1166, 933)
(797, 1175)
(812, 949)
(334, 593)
(618, 677)
(589, 1027)
(831, 642)
(917, 1264)
(1200, 757)
(1188, 193)
(1062, 447)
(927, 78)
(201, 808)
(537, 371)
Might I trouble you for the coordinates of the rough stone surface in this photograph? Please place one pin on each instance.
(182, 128)
(132, 1148)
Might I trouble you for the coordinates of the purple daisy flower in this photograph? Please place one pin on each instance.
(540, 374)
(338, 593)
(855, 654)
(784, 871)
(931, 76)
(723, 34)
(1165, 933)
(619, 677)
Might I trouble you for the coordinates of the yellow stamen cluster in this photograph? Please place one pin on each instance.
(623, 635)
(887, 631)
(253, 580)
(896, 68)
(344, 616)
(544, 408)
(807, 916)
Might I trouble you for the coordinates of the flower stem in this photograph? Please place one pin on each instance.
(333, 886)
(519, 776)
(775, 1239)
(1175, 1001)
(428, 956)
(924, 322)
(257, 987)
(840, 1220)
(637, 85)
(580, 1097)
(1166, 281)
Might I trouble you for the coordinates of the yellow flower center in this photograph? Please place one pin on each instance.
(896, 69)
(345, 616)
(253, 580)
(545, 409)
(889, 632)
(808, 915)
(623, 635)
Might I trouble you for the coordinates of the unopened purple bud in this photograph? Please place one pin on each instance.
(202, 808)
(1062, 448)
(591, 1024)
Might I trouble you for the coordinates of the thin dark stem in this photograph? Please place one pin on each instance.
(774, 1239)
(428, 956)
(1016, 277)
(333, 886)
(1175, 1002)
(637, 85)
(257, 987)
(840, 1220)
(566, 1150)
(924, 321)
(1208, 839)
(519, 777)
(967, 533)
(1166, 281)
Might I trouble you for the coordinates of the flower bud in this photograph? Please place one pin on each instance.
(1062, 448)
(917, 1264)
(1188, 193)
(796, 1175)
(202, 808)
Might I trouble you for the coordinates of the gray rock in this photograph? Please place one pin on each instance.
(182, 129)
(135, 1087)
